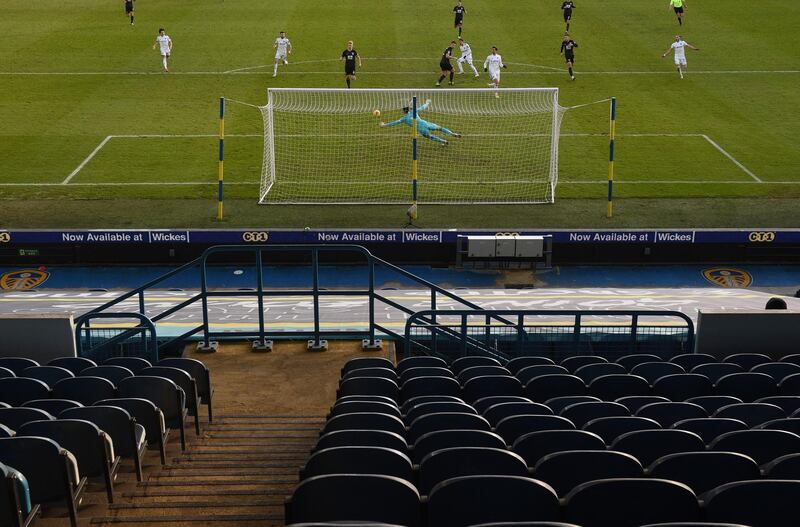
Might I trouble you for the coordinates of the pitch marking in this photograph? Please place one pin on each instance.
(729, 156)
(85, 161)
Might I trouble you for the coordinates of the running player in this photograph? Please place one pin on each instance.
(424, 128)
(459, 11)
(165, 48)
(129, 9)
(492, 64)
(282, 48)
(466, 56)
(679, 6)
(567, 7)
(349, 56)
(444, 64)
(679, 48)
(568, 50)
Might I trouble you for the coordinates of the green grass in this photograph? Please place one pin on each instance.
(733, 95)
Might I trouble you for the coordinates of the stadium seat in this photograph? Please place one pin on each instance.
(683, 386)
(777, 370)
(631, 361)
(717, 370)
(52, 406)
(135, 364)
(548, 387)
(129, 437)
(386, 373)
(712, 403)
(17, 364)
(202, 378)
(794, 358)
(526, 524)
(434, 441)
(649, 445)
(784, 467)
(667, 414)
(16, 509)
(462, 363)
(694, 524)
(494, 414)
(358, 460)
(435, 408)
(379, 438)
(578, 361)
(354, 497)
(610, 428)
(788, 386)
(365, 421)
(480, 371)
(559, 403)
(703, 471)
(15, 391)
(752, 414)
(368, 386)
(481, 405)
(747, 361)
(186, 383)
(445, 421)
(15, 417)
(147, 414)
(109, 372)
(415, 401)
(428, 386)
(5, 372)
(423, 361)
(634, 402)
(652, 371)
(762, 445)
(375, 362)
(765, 503)
(47, 374)
(85, 390)
(531, 372)
(687, 361)
(74, 364)
(428, 371)
(747, 386)
(51, 471)
(566, 470)
(614, 386)
(788, 403)
(710, 428)
(165, 394)
(791, 424)
(441, 465)
(536, 445)
(5, 431)
(591, 372)
(471, 500)
(517, 363)
(581, 413)
(630, 503)
(490, 385)
(512, 428)
(93, 448)
(351, 407)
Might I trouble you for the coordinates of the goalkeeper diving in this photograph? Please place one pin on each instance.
(425, 128)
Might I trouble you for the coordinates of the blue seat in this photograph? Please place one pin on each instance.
(350, 407)
(202, 378)
(703, 471)
(423, 361)
(791, 424)
(789, 403)
(354, 497)
(419, 386)
(358, 460)
(582, 413)
(368, 386)
(92, 448)
(186, 383)
(687, 361)
(591, 372)
(716, 370)
(85, 390)
(667, 414)
(765, 503)
(747, 361)
(490, 385)
(436, 408)
(566, 470)
(480, 371)
(109, 372)
(365, 421)
(514, 427)
(422, 399)
(445, 421)
(165, 394)
(536, 445)
(517, 363)
(631, 361)
(610, 428)
(634, 402)
(615, 386)
(135, 364)
(129, 437)
(712, 403)
(374, 362)
(559, 403)
(17, 364)
(630, 503)
(52, 406)
(784, 467)
(149, 416)
(777, 370)
(790, 385)
(51, 471)
(462, 363)
(578, 361)
(492, 500)
(18, 416)
(752, 414)
(17, 390)
(481, 405)
(494, 414)
(74, 364)
(747, 386)
(447, 463)
(531, 372)
(762, 445)
(47, 374)
(427, 371)
(652, 371)
(649, 445)
(16, 509)
(683, 386)
(710, 428)
(441, 439)
(548, 387)
(379, 438)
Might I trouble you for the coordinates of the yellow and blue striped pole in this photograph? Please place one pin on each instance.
(221, 169)
(414, 160)
(611, 137)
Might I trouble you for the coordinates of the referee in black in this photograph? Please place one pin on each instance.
(568, 49)
(459, 11)
(350, 56)
(567, 6)
(129, 9)
(444, 63)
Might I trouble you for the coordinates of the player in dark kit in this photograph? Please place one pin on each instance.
(568, 49)
(459, 10)
(350, 56)
(567, 7)
(129, 9)
(444, 64)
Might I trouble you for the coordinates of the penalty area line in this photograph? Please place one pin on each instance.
(729, 156)
(85, 161)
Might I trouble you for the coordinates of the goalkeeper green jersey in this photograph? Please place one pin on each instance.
(677, 3)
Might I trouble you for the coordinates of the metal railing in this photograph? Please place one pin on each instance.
(100, 342)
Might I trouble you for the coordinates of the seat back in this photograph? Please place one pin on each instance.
(566, 470)
(5, 431)
(15, 417)
(703, 471)
(386, 373)
(442, 439)
(557, 404)
(483, 404)
(790, 385)
(108, 371)
(135, 364)
(422, 399)
(425, 371)
(358, 460)
(435, 408)
(712, 403)
(649, 445)
(494, 414)
(765, 503)
(365, 421)
(447, 463)
(747, 386)
(17, 390)
(634, 402)
(85, 390)
(144, 411)
(689, 360)
(17, 364)
(15, 497)
(74, 364)
(372, 362)
(761, 445)
(517, 363)
(377, 438)
(531, 372)
(419, 386)
(350, 407)
(683, 386)
(777, 370)
(480, 371)
(5, 372)
(710, 428)
(462, 363)
(582, 413)
(747, 361)
(165, 394)
(631, 361)
(81, 438)
(652, 371)
(550, 386)
(52, 406)
(113, 420)
(445, 421)
(753, 414)
(368, 386)
(784, 467)
(536, 445)
(789, 403)
(489, 385)
(178, 376)
(717, 370)
(610, 428)
(591, 372)
(614, 386)
(667, 414)
(47, 374)
(422, 361)
(791, 424)
(578, 361)
(516, 426)
(44, 463)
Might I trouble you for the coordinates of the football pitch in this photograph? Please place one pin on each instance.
(94, 135)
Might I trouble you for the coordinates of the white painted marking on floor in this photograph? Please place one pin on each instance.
(729, 156)
(85, 161)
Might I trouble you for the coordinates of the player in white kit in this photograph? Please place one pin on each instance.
(282, 48)
(165, 47)
(466, 56)
(679, 48)
(492, 64)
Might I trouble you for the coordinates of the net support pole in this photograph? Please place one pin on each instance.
(413, 215)
(221, 167)
(612, 130)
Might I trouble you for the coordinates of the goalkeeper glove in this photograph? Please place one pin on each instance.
(484, 69)
(505, 67)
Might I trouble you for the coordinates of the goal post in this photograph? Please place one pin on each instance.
(473, 145)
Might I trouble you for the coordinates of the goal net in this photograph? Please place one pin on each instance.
(327, 146)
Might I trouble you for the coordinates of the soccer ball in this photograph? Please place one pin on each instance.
(376, 113)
